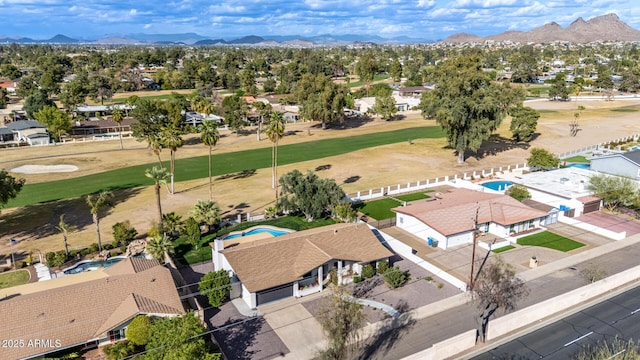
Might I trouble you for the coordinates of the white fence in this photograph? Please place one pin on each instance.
(592, 228)
(429, 183)
(601, 146)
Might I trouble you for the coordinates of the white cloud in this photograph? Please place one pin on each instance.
(426, 3)
(147, 26)
(133, 12)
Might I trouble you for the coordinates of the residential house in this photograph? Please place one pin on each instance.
(70, 313)
(625, 164)
(10, 86)
(299, 263)
(30, 131)
(90, 111)
(102, 127)
(451, 218)
(6, 135)
(411, 91)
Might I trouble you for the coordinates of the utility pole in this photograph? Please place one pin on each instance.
(473, 250)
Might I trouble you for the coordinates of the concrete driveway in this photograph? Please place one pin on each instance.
(614, 222)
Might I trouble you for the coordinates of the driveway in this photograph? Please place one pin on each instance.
(577, 234)
(614, 222)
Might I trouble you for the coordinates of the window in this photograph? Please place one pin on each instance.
(402, 218)
(116, 335)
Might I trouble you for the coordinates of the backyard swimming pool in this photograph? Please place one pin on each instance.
(88, 265)
(497, 185)
(257, 230)
(579, 165)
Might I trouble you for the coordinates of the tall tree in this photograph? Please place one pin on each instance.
(308, 194)
(159, 177)
(614, 190)
(177, 338)
(542, 159)
(340, 318)
(366, 69)
(65, 228)
(263, 109)
(496, 287)
(235, 112)
(320, 99)
(74, 93)
(395, 70)
(209, 136)
(171, 137)
(58, 122)
(35, 102)
(98, 202)
(9, 187)
(385, 106)
(275, 130)
(524, 121)
(466, 103)
(151, 116)
(118, 117)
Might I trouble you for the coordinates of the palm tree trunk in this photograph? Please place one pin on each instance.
(66, 246)
(210, 179)
(273, 167)
(157, 190)
(120, 132)
(259, 126)
(173, 159)
(96, 221)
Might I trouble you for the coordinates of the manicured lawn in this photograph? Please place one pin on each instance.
(503, 249)
(375, 79)
(576, 159)
(551, 241)
(624, 110)
(414, 196)
(14, 278)
(203, 253)
(240, 162)
(543, 111)
(378, 209)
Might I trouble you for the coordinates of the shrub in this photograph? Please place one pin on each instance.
(118, 350)
(123, 233)
(215, 285)
(93, 248)
(429, 278)
(107, 246)
(440, 285)
(383, 266)
(138, 330)
(56, 258)
(367, 271)
(357, 279)
(396, 277)
(155, 231)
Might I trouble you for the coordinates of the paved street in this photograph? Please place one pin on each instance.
(423, 333)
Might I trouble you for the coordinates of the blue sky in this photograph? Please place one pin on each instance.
(425, 19)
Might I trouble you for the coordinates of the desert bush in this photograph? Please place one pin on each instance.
(383, 266)
(396, 277)
(367, 271)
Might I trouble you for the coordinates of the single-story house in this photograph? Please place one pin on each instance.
(30, 131)
(104, 126)
(451, 218)
(625, 164)
(7, 135)
(411, 91)
(299, 263)
(195, 118)
(73, 312)
(92, 110)
(552, 213)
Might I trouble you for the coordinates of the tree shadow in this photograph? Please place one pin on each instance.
(495, 145)
(350, 122)
(381, 343)
(192, 141)
(352, 179)
(236, 341)
(238, 175)
(292, 132)
(323, 167)
(33, 222)
(242, 205)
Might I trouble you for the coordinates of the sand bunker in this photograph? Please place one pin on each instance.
(43, 169)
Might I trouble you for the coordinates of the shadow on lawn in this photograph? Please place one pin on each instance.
(33, 222)
(495, 145)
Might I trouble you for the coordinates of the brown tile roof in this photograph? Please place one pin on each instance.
(454, 212)
(588, 199)
(84, 311)
(266, 263)
(537, 205)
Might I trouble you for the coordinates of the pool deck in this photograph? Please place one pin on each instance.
(246, 239)
(53, 283)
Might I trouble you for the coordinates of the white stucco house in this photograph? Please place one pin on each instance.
(449, 219)
(625, 164)
(30, 131)
(296, 264)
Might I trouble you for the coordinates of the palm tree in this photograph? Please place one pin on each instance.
(158, 246)
(118, 116)
(275, 130)
(172, 222)
(263, 110)
(96, 203)
(159, 177)
(209, 135)
(65, 229)
(171, 137)
(206, 212)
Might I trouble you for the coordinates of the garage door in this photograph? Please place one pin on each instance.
(591, 206)
(273, 294)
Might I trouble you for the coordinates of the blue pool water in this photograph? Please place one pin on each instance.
(254, 231)
(580, 166)
(90, 264)
(497, 185)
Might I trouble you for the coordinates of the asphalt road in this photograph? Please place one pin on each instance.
(617, 317)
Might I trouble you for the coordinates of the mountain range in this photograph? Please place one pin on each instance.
(602, 28)
(607, 27)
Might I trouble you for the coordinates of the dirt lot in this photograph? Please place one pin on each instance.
(374, 167)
